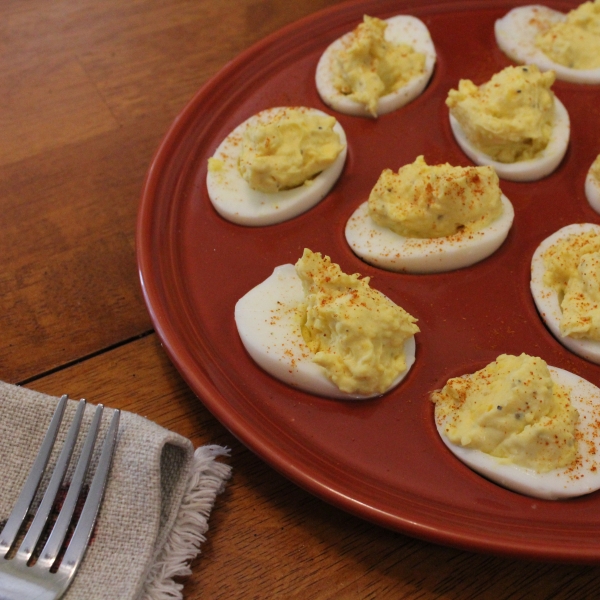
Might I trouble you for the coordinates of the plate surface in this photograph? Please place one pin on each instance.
(381, 459)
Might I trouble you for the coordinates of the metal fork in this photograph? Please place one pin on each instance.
(21, 580)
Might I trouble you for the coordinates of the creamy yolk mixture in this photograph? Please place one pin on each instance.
(288, 151)
(574, 43)
(510, 117)
(422, 201)
(573, 270)
(355, 332)
(513, 411)
(370, 67)
(595, 169)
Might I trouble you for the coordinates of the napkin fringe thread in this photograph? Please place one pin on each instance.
(206, 480)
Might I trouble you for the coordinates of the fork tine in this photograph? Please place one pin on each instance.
(41, 516)
(17, 516)
(18, 578)
(59, 531)
(79, 541)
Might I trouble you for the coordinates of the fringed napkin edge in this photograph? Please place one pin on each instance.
(206, 480)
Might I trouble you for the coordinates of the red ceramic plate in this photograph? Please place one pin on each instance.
(382, 459)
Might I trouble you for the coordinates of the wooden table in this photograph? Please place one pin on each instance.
(88, 90)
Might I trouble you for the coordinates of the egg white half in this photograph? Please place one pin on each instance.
(575, 480)
(401, 29)
(525, 170)
(515, 35)
(381, 247)
(269, 327)
(546, 298)
(236, 201)
(592, 191)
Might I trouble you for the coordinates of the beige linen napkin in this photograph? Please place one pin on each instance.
(156, 506)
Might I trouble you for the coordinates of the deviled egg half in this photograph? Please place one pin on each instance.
(276, 165)
(592, 185)
(513, 122)
(428, 219)
(568, 44)
(378, 67)
(565, 285)
(323, 331)
(524, 425)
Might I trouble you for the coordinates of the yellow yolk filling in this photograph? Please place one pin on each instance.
(573, 270)
(288, 151)
(595, 169)
(509, 118)
(513, 411)
(370, 67)
(574, 43)
(355, 332)
(423, 201)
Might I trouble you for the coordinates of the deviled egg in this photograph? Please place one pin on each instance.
(276, 165)
(428, 219)
(513, 122)
(568, 44)
(592, 185)
(318, 329)
(377, 68)
(565, 285)
(527, 426)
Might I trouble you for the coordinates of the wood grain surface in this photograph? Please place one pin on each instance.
(88, 90)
